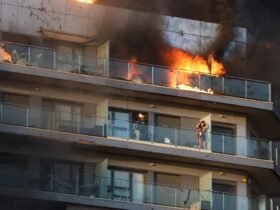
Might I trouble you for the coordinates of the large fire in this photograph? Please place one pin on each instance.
(4, 55)
(188, 67)
(184, 70)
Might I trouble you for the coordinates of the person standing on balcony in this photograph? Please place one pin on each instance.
(202, 128)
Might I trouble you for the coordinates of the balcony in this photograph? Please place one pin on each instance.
(138, 73)
(144, 134)
(124, 191)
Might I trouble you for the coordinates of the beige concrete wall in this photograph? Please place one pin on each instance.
(103, 53)
(51, 91)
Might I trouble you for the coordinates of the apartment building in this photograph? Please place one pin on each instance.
(81, 130)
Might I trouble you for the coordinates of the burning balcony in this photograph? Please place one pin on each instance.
(206, 79)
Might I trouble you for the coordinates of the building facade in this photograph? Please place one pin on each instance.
(80, 130)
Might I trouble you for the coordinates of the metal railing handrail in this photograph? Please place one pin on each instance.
(106, 120)
(45, 171)
(137, 63)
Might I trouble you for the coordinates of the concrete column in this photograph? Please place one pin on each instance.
(87, 121)
(103, 55)
(205, 185)
(102, 115)
(242, 201)
(35, 112)
(189, 194)
(263, 203)
(208, 120)
(241, 141)
(101, 178)
(149, 191)
(151, 122)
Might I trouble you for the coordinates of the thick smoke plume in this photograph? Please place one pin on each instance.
(135, 38)
(262, 20)
(260, 17)
(142, 38)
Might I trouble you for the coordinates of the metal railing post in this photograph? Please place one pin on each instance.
(223, 144)
(151, 194)
(175, 197)
(77, 185)
(27, 116)
(246, 89)
(128, 69)
(54, 60)
(25, 177)
(176, 79)
(51, 182)
(176, 137)
(53, 115)
(152, 75)
(78, 124)
(223, 85)
(1, 113)
(276, 157)
(80, 62)
(270, 150)
(107, 127)
(29, 56)
(128, 132)
(223, 201)
(271, 204)
(104, 60)
(199, 82)
(270, 93)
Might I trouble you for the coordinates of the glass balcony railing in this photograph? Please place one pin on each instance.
(86, 185)
(186, 138)
(12, 114)
(134, 72)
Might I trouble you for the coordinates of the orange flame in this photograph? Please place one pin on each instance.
(5, 56)
(188, 67)
(137, 72)
(87, 1)
(180, 60)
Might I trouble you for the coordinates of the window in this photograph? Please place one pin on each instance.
(62, 116)
(258, 148)
(165, 192)
(15, 109)
(125, 185)
(166, 128)
(119, 123)
(128, 124)
(63, 176)
(223, 139)
(224, 195)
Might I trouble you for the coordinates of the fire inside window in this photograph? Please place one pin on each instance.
(87, 1)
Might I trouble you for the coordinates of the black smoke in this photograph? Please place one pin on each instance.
(260, 17)
(146, 41)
